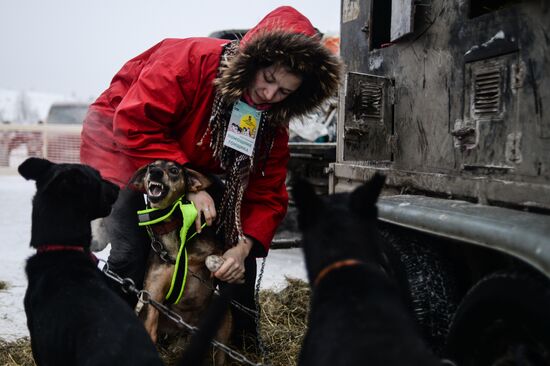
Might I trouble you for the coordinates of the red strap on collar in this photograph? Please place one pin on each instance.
(336, 265)
(165, 227)
(53, 248)
(59, 248)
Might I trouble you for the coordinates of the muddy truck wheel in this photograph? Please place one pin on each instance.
(502, 320)
(427, 282)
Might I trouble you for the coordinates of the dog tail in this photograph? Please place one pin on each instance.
(199, 344)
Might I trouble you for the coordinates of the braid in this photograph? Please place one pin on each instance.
(236, 164)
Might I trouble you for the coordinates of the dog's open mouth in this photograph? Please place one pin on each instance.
(156, 191)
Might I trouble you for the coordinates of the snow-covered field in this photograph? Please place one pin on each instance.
(15, 224)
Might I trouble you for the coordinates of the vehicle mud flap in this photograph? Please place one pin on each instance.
(427, 281)
(504, 320)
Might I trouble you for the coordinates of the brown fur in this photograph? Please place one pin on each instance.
(321, 71)
(197, 295)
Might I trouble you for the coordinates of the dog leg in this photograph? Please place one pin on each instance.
(157, 283)
(223, 336)
(215, 323)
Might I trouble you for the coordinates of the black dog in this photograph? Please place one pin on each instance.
(357, 316)
(74, 317)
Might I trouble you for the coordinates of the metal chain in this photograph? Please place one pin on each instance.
(261, 345)
(253, 313)
(159, 248)
(128, 286)
(248, 311)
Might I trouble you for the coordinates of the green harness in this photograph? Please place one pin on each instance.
(151, 216)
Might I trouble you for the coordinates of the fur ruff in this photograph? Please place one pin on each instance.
(321, 71)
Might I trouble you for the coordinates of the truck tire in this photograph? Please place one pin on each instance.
(427, 282)
(502, 320)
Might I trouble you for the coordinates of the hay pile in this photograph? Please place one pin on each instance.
(283, 324)
(17, 353)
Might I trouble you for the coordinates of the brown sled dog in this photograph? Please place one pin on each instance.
(166, 185)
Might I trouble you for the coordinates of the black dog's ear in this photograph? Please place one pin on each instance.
(309, 205)
(136, 182)
(363, 200)
(34, 168)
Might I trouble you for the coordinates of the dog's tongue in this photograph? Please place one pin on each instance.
(156, 191)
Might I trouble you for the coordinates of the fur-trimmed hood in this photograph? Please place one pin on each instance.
(284, 36)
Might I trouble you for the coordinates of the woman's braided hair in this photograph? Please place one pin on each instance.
(300, 53)
(236, 164)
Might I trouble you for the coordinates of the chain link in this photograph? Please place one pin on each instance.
(159, 248)
(161, 251)
(128, 286)
(248, 311)
(261, 345)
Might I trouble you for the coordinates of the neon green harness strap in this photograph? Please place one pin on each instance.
(189, 213)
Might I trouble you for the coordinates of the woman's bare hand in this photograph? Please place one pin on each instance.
(232, 269)
(205, 205)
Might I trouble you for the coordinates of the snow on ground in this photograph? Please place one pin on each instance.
(15, 223)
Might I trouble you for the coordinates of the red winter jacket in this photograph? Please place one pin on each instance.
(158, 107)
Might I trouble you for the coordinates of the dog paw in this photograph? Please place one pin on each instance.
(213, 262)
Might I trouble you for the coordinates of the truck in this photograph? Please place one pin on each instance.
(448, 99)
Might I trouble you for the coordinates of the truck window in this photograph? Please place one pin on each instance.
(380, 23)
(390, 21)
(67, 114)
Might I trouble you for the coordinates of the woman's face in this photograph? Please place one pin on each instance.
(273, 84)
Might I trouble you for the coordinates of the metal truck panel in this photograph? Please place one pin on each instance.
(455, 109)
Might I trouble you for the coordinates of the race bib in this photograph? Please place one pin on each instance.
(243, 128)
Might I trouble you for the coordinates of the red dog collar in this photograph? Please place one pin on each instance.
(59, 248)
(54, 248)
(336, 265)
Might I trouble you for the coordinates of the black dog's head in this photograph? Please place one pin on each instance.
(165, 181)
(68, 197)
(339, 227)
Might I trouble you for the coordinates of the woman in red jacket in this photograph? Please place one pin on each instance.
(174, 102)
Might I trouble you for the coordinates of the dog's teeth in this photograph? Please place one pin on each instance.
(155, 189)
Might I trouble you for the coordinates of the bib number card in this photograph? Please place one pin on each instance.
(243, 128)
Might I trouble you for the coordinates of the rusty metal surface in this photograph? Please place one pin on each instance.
(479, 189)
(469, 117)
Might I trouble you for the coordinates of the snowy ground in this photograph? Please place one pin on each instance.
(15, 197)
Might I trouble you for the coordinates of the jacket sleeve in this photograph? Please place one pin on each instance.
(143, 121)
(265, 200)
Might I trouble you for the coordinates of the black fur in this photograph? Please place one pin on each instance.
(74, 318)
(199, 344)
(357, 316)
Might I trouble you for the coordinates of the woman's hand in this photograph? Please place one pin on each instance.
(232, 269)
(205, 205)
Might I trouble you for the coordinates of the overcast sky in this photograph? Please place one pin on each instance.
(74, 47)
